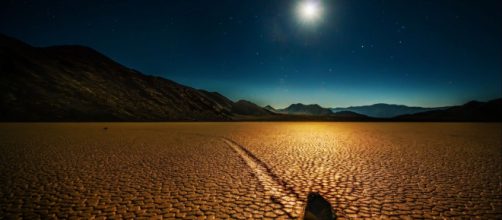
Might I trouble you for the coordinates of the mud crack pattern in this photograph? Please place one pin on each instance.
(260, 171)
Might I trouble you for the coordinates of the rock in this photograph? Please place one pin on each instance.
(318, 208)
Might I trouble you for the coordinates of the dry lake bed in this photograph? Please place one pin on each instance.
(249, 170)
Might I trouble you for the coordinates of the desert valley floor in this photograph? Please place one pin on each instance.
(249, 170)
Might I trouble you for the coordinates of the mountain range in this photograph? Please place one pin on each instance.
(77, 83)
(382, 110)
(471, 111)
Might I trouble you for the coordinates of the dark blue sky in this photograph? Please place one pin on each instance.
(422, 53)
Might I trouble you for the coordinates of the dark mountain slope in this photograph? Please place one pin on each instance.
(243, 107)
(471, 111)
(75, 83)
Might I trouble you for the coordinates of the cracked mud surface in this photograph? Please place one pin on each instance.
(250, 170)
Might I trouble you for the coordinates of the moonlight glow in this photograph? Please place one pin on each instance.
(309, 11)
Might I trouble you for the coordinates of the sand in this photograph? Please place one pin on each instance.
(250, 170)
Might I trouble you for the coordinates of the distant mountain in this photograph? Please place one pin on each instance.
(77, 83)
(349, 114)
(471, 111)
(382, 110)
(301, 109)
(270, 108)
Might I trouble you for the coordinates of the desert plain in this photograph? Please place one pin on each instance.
(250, 170)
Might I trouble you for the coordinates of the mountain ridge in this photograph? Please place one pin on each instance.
(305, 109)
(78, 83)
(384, 110)
(489, 111)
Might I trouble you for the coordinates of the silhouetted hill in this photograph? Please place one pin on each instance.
(244, 107)
(382, 110)
(349, 114)
(270, 108)
(76, 83)
(301, 109)
(471, 111)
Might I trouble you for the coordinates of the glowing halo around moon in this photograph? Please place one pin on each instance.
(309, 11)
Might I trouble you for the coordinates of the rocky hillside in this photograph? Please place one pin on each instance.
(76, 83)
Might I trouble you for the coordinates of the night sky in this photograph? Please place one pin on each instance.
(349, 52)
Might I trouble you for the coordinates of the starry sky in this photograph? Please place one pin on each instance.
(357, 52)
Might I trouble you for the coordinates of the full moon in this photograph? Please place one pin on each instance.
(309, 11)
